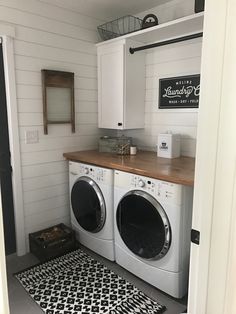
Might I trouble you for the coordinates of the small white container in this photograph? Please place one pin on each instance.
(168, 145)
(133, 150)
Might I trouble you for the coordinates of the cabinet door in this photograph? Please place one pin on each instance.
(111, 86)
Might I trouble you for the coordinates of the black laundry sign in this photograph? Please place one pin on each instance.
(179, 92)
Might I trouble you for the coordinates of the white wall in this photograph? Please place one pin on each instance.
(48, 37)
(171, 10)
(169, 61)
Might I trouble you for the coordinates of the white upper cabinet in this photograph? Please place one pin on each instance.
(121, 86)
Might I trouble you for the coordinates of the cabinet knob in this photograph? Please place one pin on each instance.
(119, 124)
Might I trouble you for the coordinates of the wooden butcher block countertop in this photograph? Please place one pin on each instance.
(176, 170)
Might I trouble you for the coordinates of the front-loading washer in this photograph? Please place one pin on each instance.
(152, 226)
(91, 207)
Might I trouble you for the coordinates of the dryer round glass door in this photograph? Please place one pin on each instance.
(143, 225)
(88, 204)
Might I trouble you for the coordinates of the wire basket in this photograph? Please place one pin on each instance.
(121, 26)
(119, 145)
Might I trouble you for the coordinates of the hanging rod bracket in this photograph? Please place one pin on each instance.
(165, 42)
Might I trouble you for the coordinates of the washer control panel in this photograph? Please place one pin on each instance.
(98, 174)
(93, 172)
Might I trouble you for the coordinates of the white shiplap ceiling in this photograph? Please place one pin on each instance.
(107, 9)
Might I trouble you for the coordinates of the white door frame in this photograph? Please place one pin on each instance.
(4, 302)
(222, 250)
(7, 33)
(214, 192)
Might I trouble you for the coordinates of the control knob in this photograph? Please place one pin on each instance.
(141, 183)
(86, 170)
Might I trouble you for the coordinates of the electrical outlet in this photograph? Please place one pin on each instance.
(31, 137)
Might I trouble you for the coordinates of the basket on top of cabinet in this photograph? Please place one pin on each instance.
(121, 26)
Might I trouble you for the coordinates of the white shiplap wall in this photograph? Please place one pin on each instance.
(169, 61)
(49, 37)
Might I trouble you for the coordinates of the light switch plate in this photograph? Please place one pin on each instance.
(31, 137)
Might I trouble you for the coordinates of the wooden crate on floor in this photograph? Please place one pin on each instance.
(52, 242)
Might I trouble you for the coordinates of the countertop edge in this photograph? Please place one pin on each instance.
(115, 166)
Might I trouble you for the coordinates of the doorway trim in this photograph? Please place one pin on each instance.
(213, 189)
(7, 34)
(4, 301)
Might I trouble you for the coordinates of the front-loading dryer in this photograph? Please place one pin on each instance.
(152, 225)
(91, 207)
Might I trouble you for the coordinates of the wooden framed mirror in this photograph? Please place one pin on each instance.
(58, 98)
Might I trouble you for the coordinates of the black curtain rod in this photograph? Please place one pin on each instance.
(166, 42)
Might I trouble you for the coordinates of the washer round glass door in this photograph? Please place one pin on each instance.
(143, 225)
(88, 204)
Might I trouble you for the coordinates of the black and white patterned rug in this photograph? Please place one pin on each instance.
(78, 284)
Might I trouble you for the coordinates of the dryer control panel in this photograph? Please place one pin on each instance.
(142, 182)
(162, 190)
